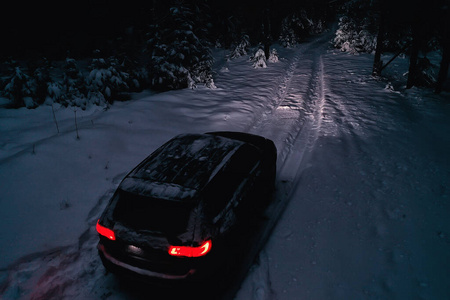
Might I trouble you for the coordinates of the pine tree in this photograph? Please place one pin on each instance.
(297, 26)
(259, 59)
(107, 79)
(241, 48)
(357, 28)
(137, 78)
(73, 84)
(445, 44)
(273, 57)
(354, 37)
(288, 37)
(18, 88)
(179, 57)
(54, 92)
(41, 81)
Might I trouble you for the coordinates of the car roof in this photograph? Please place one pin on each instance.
(182, 167)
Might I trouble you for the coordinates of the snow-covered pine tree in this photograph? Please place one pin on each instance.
(273, 57)
(354, 37)
(107, 79)
(297, 26)
(241, 47)
(201, 72)
(41, 81)
(54, 92)
(357, 27)
(179, 58)
(290, 26)
(344, 34)
(287, 36)
(259, 59)
(73, 84)
(137, 78)
(18, 88)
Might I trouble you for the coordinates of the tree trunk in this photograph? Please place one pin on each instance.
(443, 70)
(266, 26)
(377, 62)
(414, 55)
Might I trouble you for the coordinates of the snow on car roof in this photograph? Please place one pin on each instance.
(181, 167)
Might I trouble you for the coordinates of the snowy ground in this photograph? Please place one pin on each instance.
(364, 171)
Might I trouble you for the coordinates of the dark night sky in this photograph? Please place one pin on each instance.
(35, 28)
(49, 28)
(43, 28)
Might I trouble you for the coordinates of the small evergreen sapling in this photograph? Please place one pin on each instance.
(54, 92)
(273, 57)
(259, 59)
(201, 72)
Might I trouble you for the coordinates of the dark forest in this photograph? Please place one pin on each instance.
(166, 45)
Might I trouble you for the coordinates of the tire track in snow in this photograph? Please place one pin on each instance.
(280, 94)
(302, 137)
(300, 127)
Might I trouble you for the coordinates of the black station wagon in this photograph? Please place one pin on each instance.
(176, 215)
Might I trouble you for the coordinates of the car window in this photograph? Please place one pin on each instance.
(244, 160)
(144, 213)
(226, 183)
(219, 193)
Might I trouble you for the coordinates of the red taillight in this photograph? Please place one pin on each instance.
(191, 251)
(105, 231)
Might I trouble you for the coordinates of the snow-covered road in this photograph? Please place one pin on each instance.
(368, 216)
(363, 185)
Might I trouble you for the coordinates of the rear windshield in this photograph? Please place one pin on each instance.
(144, 213)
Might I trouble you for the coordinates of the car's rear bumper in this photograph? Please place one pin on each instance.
(119, 265)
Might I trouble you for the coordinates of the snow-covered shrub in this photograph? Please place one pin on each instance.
(273, 57)
(354, 37)
(259, 59)
(179, 58)
(241, 48)
(105, 78)
(73, 85)
(18, 88)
